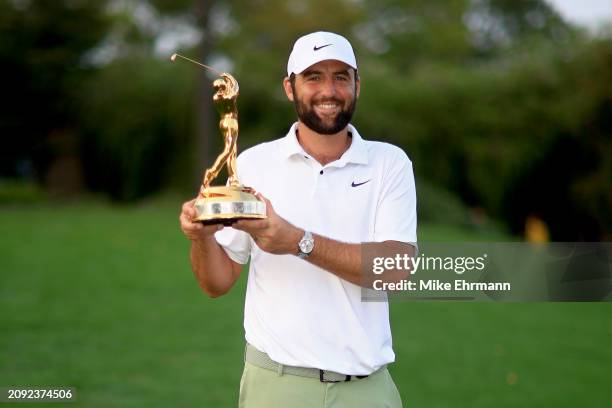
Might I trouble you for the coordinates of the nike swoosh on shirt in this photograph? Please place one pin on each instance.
(318, 48)
(353, 184)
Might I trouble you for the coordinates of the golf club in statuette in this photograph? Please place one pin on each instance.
(229, 203)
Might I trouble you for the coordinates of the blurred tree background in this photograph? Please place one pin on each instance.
(504, 108)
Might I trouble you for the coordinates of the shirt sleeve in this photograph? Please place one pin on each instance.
(396, 217)
(237, 244)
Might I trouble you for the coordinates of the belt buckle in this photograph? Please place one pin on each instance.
(323, 380)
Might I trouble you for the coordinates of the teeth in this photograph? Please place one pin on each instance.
(327, 105)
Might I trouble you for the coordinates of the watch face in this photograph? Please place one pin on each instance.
(306, 245)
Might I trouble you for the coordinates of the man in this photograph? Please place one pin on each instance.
(311, 340)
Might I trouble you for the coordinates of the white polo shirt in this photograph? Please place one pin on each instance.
(298, 313)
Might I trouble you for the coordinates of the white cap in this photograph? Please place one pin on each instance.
(317, 47)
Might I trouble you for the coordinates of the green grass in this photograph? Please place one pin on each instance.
(101, 298)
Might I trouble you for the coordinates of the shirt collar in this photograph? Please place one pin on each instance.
(356, 153)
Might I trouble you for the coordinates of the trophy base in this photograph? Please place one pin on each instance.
(226, 205)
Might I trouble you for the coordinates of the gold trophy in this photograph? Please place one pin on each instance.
(225, 204)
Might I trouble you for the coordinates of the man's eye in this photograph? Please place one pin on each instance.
(341, 78)
(313, 78)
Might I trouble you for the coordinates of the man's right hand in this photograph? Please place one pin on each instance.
(215, 271)
(195, 230)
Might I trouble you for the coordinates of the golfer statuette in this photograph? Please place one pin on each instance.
(225, 204)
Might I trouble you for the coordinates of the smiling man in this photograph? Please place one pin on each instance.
(310, 339)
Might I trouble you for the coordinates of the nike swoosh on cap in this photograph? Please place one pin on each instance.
(353, 184)
(318, 48)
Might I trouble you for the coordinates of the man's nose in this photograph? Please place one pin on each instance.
(328, 88)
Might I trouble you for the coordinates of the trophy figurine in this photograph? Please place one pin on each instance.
(225, 204)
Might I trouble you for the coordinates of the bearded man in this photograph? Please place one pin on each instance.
(311, 341)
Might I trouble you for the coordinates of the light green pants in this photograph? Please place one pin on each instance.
(261, 388)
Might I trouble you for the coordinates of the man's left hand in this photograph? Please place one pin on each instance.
(273, 234)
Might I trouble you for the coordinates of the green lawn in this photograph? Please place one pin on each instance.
(101, 298)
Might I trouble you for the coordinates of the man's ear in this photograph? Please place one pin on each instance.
(357, 87)
(288, 89)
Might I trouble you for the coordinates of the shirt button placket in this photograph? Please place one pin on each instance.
(315, 174)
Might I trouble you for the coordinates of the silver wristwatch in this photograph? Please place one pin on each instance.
(306, 245)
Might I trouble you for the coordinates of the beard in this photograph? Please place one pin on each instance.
(309, 117)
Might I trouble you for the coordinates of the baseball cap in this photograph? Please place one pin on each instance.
(317, 47)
